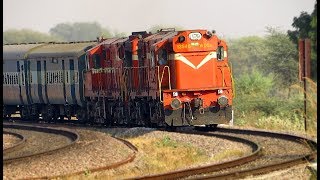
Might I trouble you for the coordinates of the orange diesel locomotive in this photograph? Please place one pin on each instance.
(173, 78)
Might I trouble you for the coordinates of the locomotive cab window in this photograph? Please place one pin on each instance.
(163, 57)
(220, 53)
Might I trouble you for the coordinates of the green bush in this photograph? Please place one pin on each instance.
(261, 103)
(254, 84)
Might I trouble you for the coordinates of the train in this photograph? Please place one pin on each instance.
(167, 78)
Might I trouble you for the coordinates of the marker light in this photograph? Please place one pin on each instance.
(175, 103)
(223, 101)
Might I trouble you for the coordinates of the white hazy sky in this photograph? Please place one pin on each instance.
(230, 18)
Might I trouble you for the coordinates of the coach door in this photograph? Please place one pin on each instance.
(24, 83)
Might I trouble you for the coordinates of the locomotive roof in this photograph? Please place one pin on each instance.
(17, 51)
(61, 49)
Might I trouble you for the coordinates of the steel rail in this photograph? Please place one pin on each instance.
(211, 167)
(240, 173)
(17, 145)
(270, 167)
(127, 160)
(70, 134)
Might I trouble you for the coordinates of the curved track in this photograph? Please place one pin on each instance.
(229, 169)
(252, 170)
(73, 136)
(129, 159)
(256, 152)
(17, 145)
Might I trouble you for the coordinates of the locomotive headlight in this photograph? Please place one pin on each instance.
(223, 101)
(175, 103)
(181, 39)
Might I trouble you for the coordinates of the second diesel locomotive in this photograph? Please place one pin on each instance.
(173, 78)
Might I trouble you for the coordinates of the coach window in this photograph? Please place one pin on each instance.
(11, 79)
(51, 78)
(15, 79)
(67, 77)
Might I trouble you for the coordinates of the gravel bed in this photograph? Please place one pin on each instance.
(297, 172)
(210, 145)
(93, 150)
(274, 151)
(37, 142)
(96, 149)
(9, 140)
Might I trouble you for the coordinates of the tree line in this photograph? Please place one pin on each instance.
(276, 53)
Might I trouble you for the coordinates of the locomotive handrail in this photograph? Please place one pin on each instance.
(160, 80)
(232, 80)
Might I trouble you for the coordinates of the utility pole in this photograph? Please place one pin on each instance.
(304, 70)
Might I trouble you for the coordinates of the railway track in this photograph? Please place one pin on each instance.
(17, 145)
(260, 165)
(17, 152)
(72, 135)
(252, 164)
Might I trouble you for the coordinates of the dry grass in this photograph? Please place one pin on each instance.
(311, 97)
(165, 154)
(227, 154)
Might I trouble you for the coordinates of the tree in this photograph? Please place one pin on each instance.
(306, 27)
(313, 37)
(302, 27)
(26, 36)
(79, 31)
(281, 57)
(245, 54)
